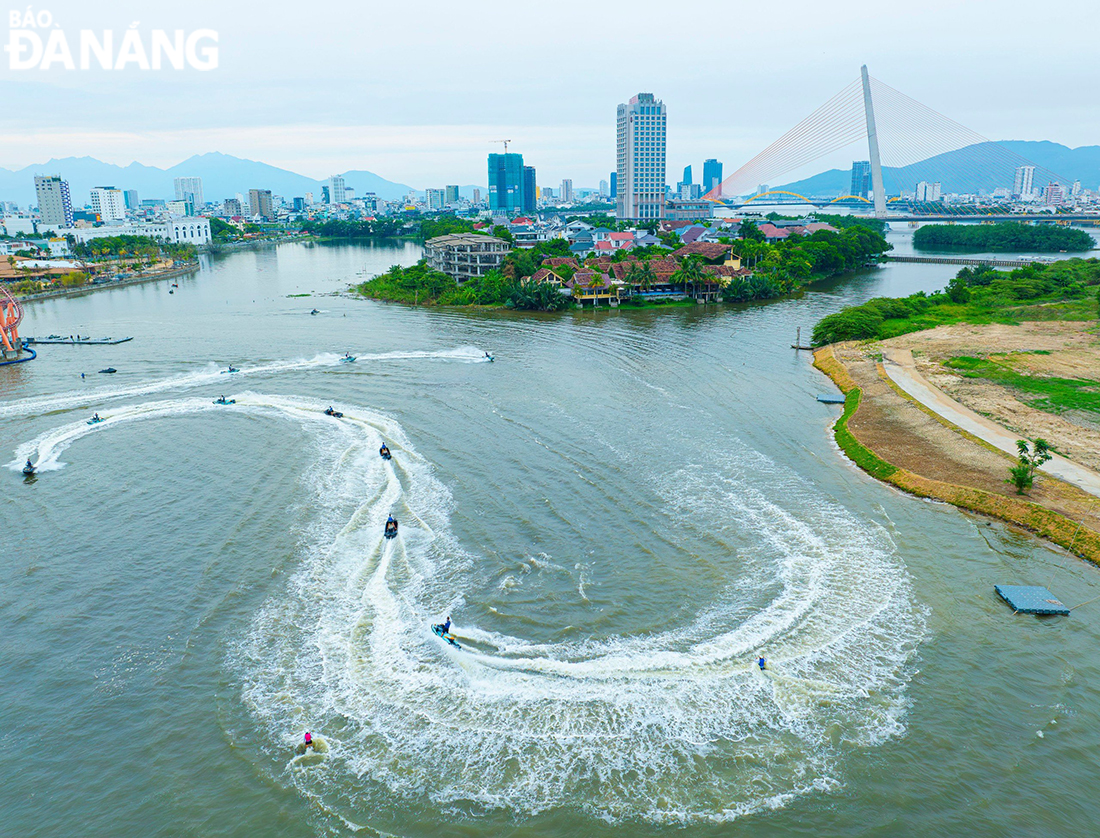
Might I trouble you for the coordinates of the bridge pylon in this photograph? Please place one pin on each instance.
(872, 147)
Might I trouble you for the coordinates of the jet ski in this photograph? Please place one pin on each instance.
(438, 631)
(347, 359)
(224, 400)
(391, 528)
(384, 453)
(95, 420)
(170, 291)
(109, 371)
(336, 413)
(315, 311)
(28, 469)
(489, 357)
(231, 369)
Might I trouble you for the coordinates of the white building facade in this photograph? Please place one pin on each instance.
(108, 203)
(191, 230)
(640, 158)
(190, 189)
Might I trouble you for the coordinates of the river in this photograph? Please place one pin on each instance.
(621, 513)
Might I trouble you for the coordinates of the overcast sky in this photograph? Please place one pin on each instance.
(417, 91)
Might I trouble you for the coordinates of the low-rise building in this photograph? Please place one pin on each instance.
(464, 256)
(191, 230)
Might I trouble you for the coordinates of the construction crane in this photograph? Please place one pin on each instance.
(502, 141)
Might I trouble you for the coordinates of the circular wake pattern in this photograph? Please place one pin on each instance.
(670, 727)
(679, 726)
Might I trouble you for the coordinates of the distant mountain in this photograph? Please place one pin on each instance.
(222, 177)
(974, 168)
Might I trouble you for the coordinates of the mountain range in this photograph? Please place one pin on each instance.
(981, 167)
(223, 176)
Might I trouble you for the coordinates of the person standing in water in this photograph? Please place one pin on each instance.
(309, 740)
(763, 664)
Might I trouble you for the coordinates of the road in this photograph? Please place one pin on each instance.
(901, 369)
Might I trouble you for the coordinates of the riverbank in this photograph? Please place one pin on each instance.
(895, 439)
(80, 290)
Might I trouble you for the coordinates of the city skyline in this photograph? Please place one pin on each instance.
(563, 128)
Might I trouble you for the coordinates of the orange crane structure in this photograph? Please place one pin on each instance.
(11, 315)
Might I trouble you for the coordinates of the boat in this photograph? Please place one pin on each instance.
(315, 311)
(336, 413)
(95, 420)
(391, 529)
(28, 469)
(109, 371)
(438, 631)
(384, 453)
(224, 400)
(231, 369)
(347, 359)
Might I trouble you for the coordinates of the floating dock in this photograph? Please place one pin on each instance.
(830, 398)
(77, 341)
(1031, 599)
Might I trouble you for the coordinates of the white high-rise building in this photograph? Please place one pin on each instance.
(1024, 182)
(190, 189)
(603, 188)
(336, 190)
(55, 208)
(567, 190)
(926, 191)
(433, 198)
(640, 158)
(108, 203)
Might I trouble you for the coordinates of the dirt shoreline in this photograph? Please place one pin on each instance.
(901, 442)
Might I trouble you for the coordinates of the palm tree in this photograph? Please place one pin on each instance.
(691, 272)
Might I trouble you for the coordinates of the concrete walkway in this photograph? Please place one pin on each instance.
(901, 369)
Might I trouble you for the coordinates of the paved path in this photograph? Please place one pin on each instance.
(901, 369)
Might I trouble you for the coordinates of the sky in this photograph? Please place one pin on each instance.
(419, 92)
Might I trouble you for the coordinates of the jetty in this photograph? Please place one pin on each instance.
(77, 340)
(970, 260)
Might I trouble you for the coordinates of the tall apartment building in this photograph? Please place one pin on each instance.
(926, 191)
(336, 190)
(861, 178)
(55, 207)
(433, 198)
(232, 207)
(190, 189)
(108, 203)
(640, 158)
(130, 198)
(567, 191)
(712, 175)
(530, 189)
(505, 182)
(1054, 195)
(450, 194)
(1024, 182)
(259, 203)
(477, 197)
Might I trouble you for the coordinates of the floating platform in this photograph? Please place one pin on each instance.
(1031, 599)
(831, 399)
(78, 341)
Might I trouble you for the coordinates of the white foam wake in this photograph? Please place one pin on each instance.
(675, 726)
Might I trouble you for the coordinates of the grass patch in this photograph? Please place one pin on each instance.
(299, 295)
(859, 454)
(1054, 395)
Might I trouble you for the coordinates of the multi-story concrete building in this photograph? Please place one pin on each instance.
(336, 190)
(55, 207)
(530, 189)
(926, 191)
(108, 203)
(232, 207)
(640, 158)
(180, 208)
(433, 199)
(259, 203)
(450, 194)
(130, 198)
(465, 255)
(1024, 182)
(567, 190)
(190, 189)
(192, 230)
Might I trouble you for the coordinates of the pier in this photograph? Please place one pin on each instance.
(76, 340)
(969, 260)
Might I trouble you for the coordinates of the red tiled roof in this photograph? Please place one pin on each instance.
(559, 261)
(622, 237)
(708, 250)
(545, 275)
(604, 245)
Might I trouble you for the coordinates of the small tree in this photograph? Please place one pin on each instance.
(1030, 458)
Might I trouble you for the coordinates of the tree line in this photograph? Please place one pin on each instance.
(1005, 236)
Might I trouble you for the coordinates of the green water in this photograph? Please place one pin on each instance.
(620, 513)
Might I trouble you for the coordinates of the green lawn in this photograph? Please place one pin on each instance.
(1054, 395)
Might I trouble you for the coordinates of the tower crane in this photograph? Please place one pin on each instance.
(505, 144)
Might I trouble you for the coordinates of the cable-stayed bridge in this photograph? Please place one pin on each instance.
(906, 143)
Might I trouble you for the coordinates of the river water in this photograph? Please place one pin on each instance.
(621, 513)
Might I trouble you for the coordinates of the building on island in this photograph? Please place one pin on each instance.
(640, 158)
(464, 256)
